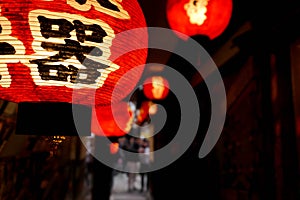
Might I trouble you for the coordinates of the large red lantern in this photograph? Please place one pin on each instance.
(156, 88)
(199, 17)
(49, 48)
(112, 120)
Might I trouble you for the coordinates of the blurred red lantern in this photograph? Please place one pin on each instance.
(49, 48)
(112, 120)
(156, 88)
(142, 114)
(114, 147)
(199, 17)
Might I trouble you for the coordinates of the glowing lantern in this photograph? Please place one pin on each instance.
(49, 48)
(114, 147)
(143, 113)
(112, 120)
(152, 108)
(156, 88)
(199, 17)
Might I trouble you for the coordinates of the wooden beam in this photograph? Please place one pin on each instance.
(229, 49)
(245, 76)
(227, 52)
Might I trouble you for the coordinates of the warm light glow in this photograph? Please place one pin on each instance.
(114, 147)
(153, 108)
(55, 141)
(147, 108)
(196, 10)
(156, 87)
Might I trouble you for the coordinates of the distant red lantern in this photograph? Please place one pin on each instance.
(114, 147)
(113, 120)
(156, 88)
(142, 114)
(199, 17)
(49, 48)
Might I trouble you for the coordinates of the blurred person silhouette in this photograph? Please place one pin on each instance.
(144, 156)
(132, 162)
(121, 161)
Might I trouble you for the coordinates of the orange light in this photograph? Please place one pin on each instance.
(156, 87)
(114, 147)
(153, 108)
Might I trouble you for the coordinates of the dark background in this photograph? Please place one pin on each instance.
(256, 156)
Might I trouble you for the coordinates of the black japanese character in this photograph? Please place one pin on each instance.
(65, 27)
(108, 4)
(47, 27)
(62, 72)
(81, 2)
(97, 32)
(6, 48)
(69, 49)
(66, 51)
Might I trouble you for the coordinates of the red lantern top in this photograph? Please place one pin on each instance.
(156, 88)
(199, 17)
(49, 48)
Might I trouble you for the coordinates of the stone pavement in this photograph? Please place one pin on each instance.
(119, 190)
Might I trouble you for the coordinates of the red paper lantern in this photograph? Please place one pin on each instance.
(49, 48)
(112, 120)
(156, 88)
(114, 147)
(142, 114)
(199, 17)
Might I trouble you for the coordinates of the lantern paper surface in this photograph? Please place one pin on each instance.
(50, 48)
(112, 120)
(199, 17)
